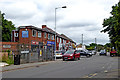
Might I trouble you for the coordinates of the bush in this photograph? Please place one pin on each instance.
(4, 58)
(9, 60)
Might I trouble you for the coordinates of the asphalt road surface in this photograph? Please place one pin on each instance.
(93, 67)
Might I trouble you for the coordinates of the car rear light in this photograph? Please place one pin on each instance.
(61, 53)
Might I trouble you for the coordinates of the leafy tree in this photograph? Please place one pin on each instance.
(7, 27)
(112, 26)
(0, 26)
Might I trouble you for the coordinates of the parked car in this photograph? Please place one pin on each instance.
(85, 53)
(71, 54)
(103, 52)
(59, 54)
(90, 52)
(93, 52)
(113, 53)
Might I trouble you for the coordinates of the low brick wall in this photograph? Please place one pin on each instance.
(8, 46)
(2, 54)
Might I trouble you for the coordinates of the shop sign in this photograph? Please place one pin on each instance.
(50, 43)
(6, 46)
(24, 52)
(35, 42)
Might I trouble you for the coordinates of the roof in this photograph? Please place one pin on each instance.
(30, 27)
(67, 38)
(46, 29)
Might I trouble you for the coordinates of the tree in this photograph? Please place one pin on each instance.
(0, 26)
(112, 26)
(7, 27)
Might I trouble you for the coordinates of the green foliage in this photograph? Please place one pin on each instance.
(112, 26)
(8, 59)
(4, 58)
(7, 27)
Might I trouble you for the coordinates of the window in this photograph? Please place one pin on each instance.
(60, 40)
(57, 39)
(48, 36)
(16, 34)
(45, 34)
(52, 37)
(39, 33)
(64, 41)
(34, 33)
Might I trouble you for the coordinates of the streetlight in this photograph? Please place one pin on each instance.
(55, 27)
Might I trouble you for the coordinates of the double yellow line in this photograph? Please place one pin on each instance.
(91, 75)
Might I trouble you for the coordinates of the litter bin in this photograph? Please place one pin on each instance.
(16, 59)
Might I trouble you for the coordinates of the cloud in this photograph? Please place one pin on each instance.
(80, 16)
(19, 10)
(76, 24)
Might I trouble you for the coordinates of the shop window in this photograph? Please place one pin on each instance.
(39, 34)
(34, 33)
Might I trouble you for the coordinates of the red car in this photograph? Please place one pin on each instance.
(113, 53)
(71, 54)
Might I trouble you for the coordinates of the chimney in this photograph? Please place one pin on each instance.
(44, 26)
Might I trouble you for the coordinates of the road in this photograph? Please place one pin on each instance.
(93, 67)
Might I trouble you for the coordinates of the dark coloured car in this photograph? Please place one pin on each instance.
(103, 52)
(85, 53)
(71, 55)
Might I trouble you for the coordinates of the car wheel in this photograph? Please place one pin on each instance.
(74, 58)
(63, 59)
(87, 56)
(111, 55)
(79, 58)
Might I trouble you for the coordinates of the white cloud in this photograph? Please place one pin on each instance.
(80, 16)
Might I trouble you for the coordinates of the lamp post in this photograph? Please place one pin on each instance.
(55, 27)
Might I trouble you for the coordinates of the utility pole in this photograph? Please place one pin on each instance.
(82, 39)
(95, 45)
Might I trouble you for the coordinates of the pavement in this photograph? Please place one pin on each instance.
(22, 66)
(2, 64)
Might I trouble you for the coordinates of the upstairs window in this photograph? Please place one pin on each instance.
(48, 36)
(60, 40)
(45, 35)
(34, 33)
(16, 34)
(39, 34)
(57, 39)
(52, 37)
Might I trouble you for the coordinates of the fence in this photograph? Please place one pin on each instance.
(30, 53)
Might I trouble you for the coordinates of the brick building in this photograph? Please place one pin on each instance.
(36, 37)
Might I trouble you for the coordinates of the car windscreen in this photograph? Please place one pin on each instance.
(77, 51)
(58, 51)
(102, 51)
(69, 52)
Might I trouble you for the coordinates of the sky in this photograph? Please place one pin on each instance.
(80, 17)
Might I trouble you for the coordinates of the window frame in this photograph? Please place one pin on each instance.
(49, 36)
(39, 32)
(35, 34)
(45, 35)
(53, 37)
